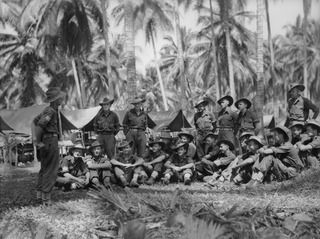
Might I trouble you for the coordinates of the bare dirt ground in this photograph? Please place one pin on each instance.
(268, 209)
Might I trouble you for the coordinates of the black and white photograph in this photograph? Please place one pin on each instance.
(159, 119)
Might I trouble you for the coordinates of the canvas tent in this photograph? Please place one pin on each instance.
(4, 125)
(20, 120)
(172, 120)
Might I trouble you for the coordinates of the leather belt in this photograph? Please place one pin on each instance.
(46, 135)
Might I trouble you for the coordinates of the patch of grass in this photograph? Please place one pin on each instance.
(269, 211)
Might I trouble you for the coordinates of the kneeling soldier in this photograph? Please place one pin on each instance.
(282, 160)
(223, 159)
(240, 169)
(310, 145)
(124, 165)
(154, 160)
(99, 165)
(210, 152)
(179, 166)
(73, 172)
(186, 137)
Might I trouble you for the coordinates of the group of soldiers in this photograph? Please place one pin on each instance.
(226, 148)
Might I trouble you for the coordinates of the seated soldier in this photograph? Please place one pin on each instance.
(99, 165)
(282, 160)
(222, 161)
(154, 161)
(179, 165)
(125, 163)
(243, 141)
(73, 172)
(297, 129)
(210, 151)
(240, 169)
(309, 145)
(185, 137)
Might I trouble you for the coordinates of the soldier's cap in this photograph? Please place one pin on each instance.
(226, 142)
(313, 123)
(244, 134)
(137, 100)
(180, 144)
(157, 141)
(77, 146)
(54, 93)
(245, 100)
(285, 131)
(187, 134)
(228, 98)
(106, 101)
(200, 102)
(298, 86)
(211, 134)
(123, 144)
(297, 124)
(95, 144)
(257, 139)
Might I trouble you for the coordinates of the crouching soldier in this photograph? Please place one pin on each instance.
(186, 137)
(99, 165)
(282, 160)
(309, 146)
(179, 166)
(154, 161)
(297, 129)
(210, 151)
(243, 140)
(224, 158)
(124, 165)
(73, 172)
(240, 169)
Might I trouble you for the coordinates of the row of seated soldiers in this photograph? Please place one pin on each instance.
(289, 152)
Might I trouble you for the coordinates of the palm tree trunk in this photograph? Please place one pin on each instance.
(226, 8)
(104, 7)
(130, 50)
(184, 100)
(163, 93)
(306, 12)
(77, 81)
(214, 54)
(260, 79)
(273, 73)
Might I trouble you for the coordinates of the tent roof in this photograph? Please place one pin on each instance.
(4, 125)
(172, 120)
(21, 119)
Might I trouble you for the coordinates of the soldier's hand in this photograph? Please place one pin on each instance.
(40, 145)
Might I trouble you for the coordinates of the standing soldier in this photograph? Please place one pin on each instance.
(247, 119)
(226, 120)
(298, 106)
(135, 123)
(47, 123)
(204, 123)
(106, 124)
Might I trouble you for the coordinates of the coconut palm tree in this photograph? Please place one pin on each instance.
(241, 42)
(64, 23)
(170, 60)
(152, 24)
(306, 13)
(21, 63)
(133, 13)
(259, 67)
